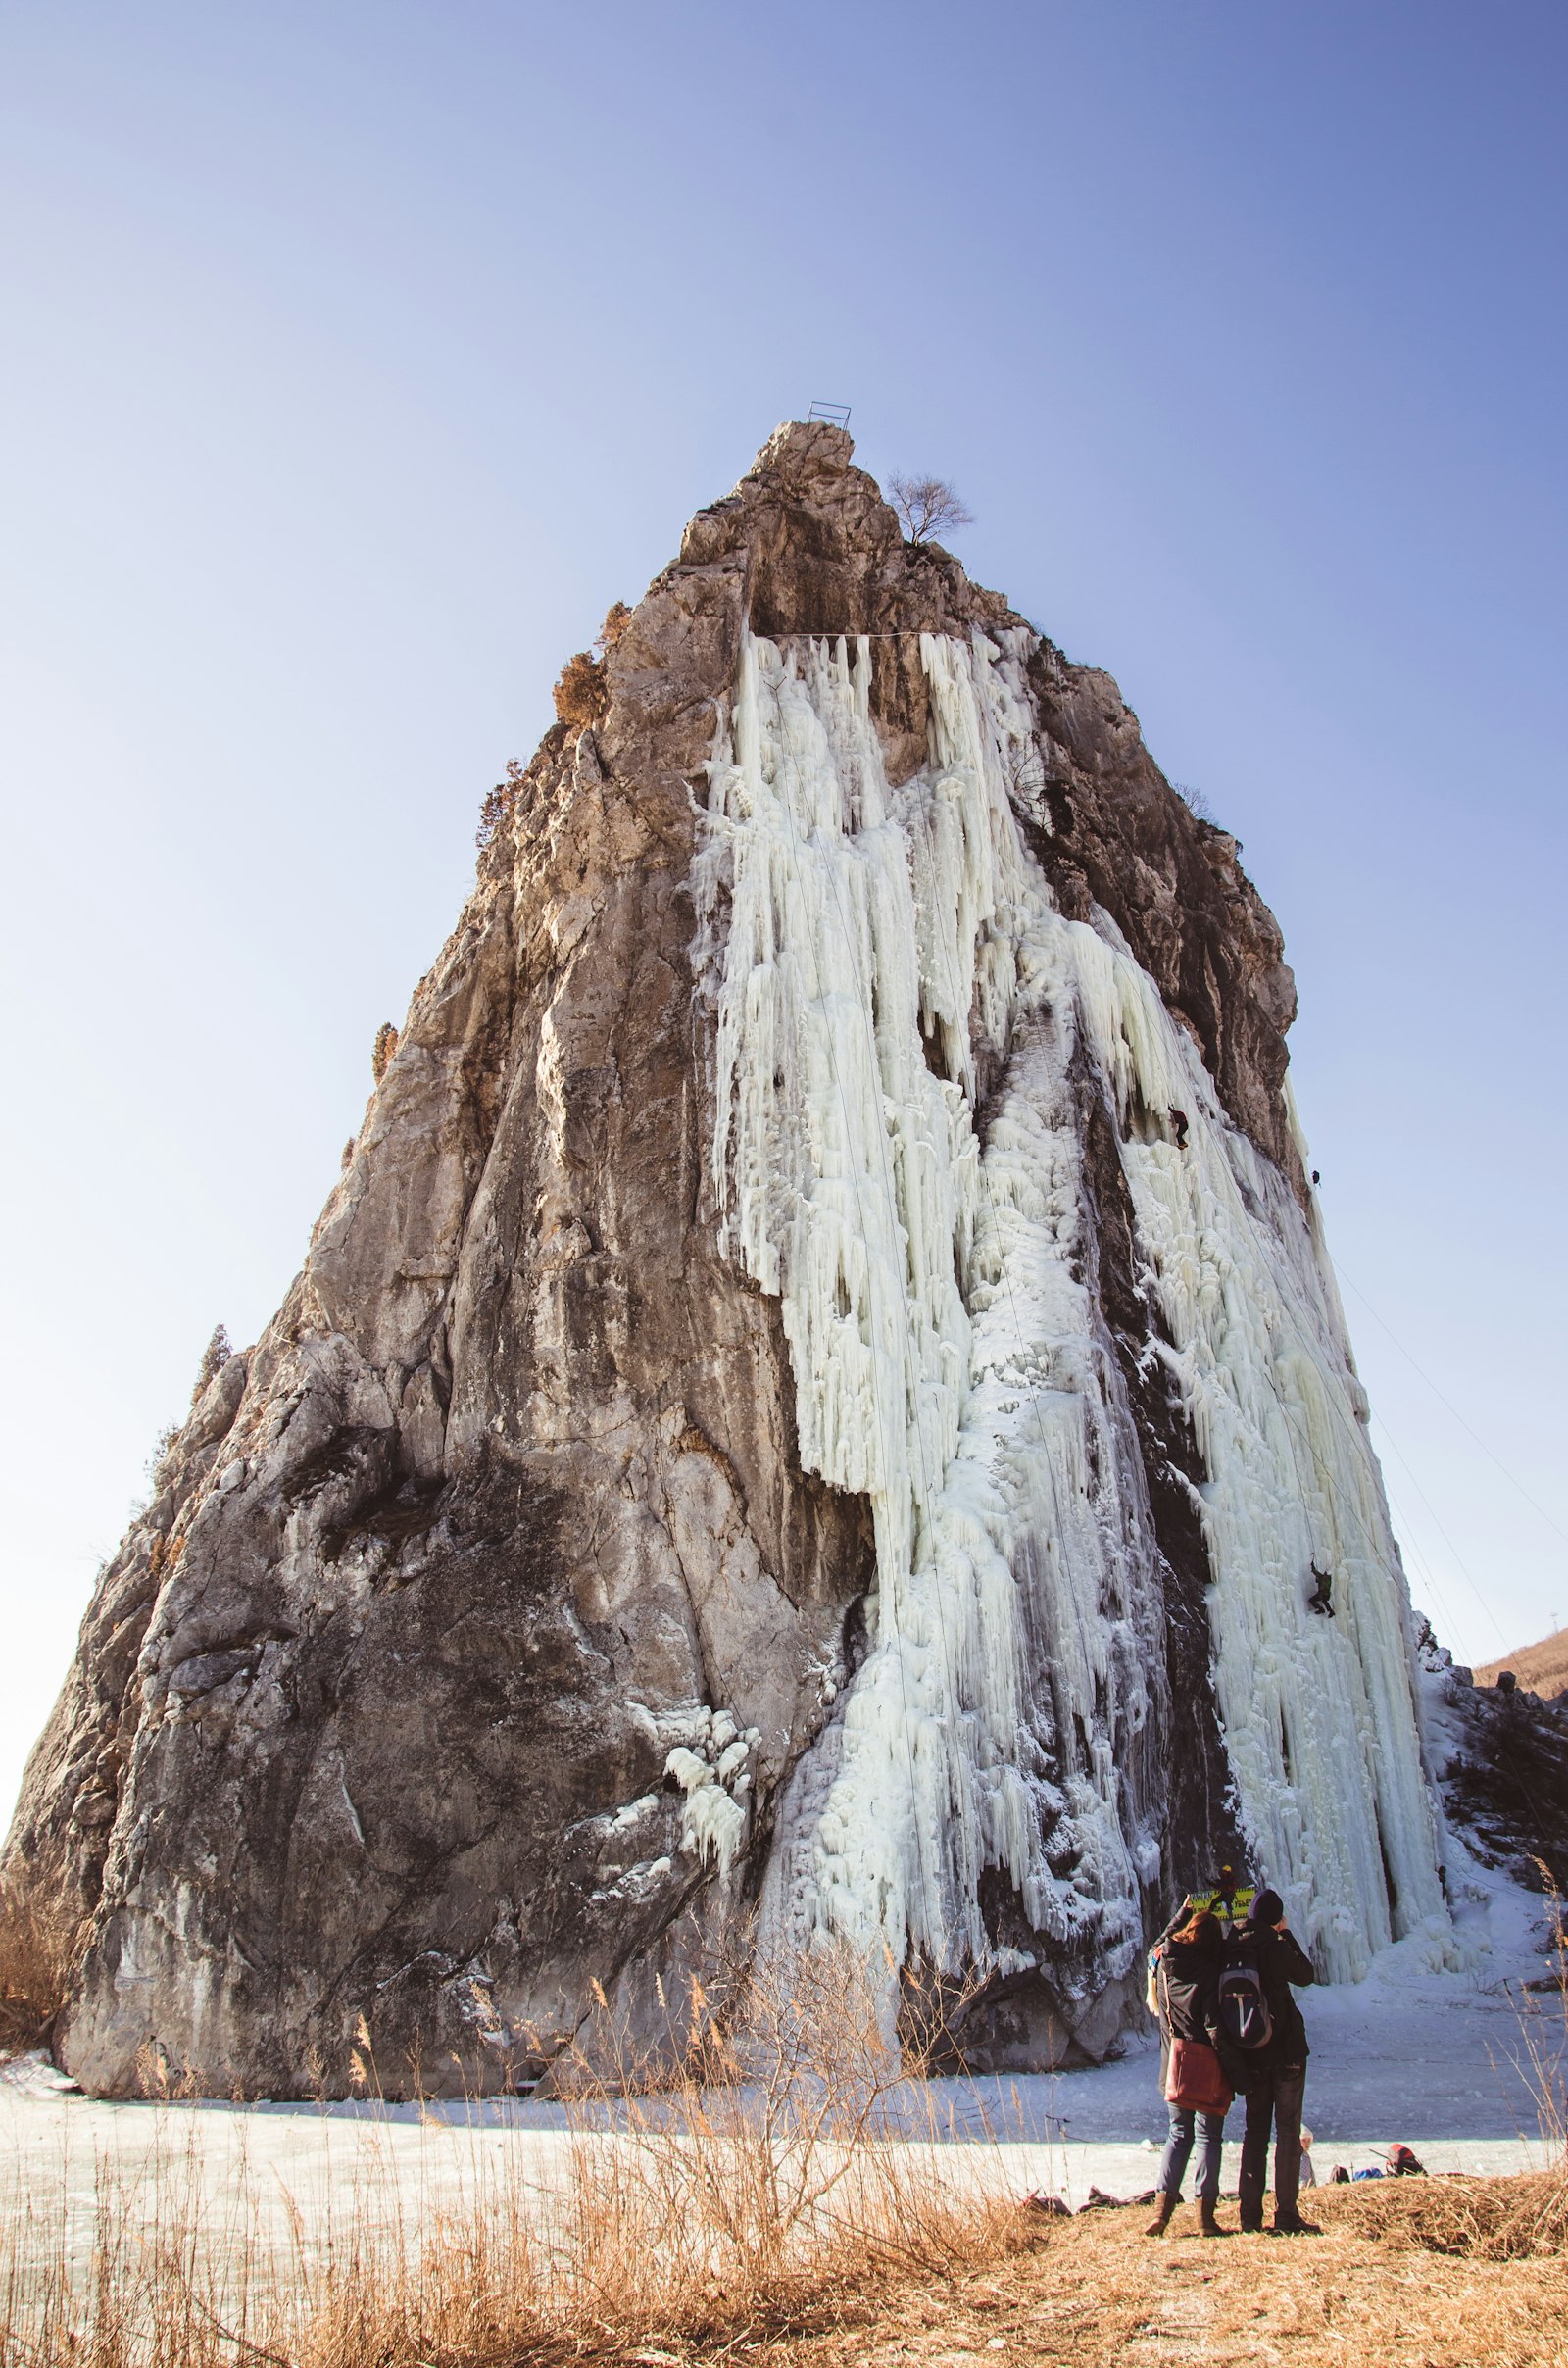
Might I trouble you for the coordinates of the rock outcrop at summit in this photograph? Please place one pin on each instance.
(810, 1408)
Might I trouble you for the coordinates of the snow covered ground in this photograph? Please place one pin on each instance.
(1419, 2051)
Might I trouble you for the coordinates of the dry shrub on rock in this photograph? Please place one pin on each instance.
(214, 1356)
(580, 694)
(617, 616)
(38, 1955)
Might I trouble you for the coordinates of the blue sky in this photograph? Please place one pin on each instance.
(357, 357)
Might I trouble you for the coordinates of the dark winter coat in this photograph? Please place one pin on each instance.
(1187, 1989)
(1280, 1960)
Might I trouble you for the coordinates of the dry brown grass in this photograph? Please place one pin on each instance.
(1473, 2219)
(1402, 2273)
(749, 2195)
(1542, 1667)
(1094, 2292)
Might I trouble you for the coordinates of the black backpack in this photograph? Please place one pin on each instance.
(1244, 2014)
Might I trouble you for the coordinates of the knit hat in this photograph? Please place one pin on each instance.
(1266, 1908)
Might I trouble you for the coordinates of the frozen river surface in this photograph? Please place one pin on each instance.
(1436, 2054)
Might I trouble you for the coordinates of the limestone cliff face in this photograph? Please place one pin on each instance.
(524, 1611)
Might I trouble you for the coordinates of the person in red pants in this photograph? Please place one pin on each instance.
(1276, 2073)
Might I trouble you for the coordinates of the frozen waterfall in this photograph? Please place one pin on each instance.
(868, 951)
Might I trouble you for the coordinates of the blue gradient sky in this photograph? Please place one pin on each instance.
(357, 357)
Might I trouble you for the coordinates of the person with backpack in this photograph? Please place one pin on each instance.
(1195, 2079)
(1263, 2025)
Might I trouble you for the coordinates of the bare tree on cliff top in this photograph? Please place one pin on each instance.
(927, 507)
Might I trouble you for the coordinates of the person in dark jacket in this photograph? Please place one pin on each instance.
(1187, 1990)
(1275, 2076)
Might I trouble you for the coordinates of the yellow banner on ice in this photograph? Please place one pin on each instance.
(1241, 1899)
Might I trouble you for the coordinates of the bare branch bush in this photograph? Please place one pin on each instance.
(927, 507)
(1544, 2030)
(162, 1448)
(39, 1952)
(1543, 2060)
(1026, 777)
(1194, 801)
(499, 803)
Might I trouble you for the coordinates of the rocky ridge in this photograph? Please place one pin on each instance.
(484, 1612)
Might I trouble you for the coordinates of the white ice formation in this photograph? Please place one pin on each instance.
(715, 1779)
(868, 949)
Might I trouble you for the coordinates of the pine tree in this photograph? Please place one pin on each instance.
(214, 1356)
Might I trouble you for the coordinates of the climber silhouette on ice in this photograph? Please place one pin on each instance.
(1178, 1119)
(1318, 1600)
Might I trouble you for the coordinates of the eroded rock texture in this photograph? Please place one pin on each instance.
(380, 1710)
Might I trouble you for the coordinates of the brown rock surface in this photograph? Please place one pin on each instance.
(372, 1709)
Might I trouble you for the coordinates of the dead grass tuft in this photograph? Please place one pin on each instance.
(1472, 2219)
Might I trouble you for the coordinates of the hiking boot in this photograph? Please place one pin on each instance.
(1162, 2213)
(1207, 2225)
(1295, 2228)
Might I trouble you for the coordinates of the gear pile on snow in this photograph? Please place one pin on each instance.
(816, 1405)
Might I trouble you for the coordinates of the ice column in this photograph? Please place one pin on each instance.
(872, 945)
(1319, 1714)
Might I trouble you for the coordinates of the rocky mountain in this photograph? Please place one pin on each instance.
(1539, 1668)
(1501, 1757)
(817, 1406)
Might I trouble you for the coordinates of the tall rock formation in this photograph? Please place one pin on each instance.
(812, 1409)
